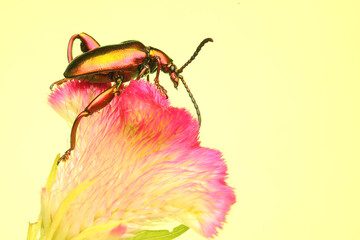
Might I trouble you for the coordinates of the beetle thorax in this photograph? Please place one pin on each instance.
(164, 59)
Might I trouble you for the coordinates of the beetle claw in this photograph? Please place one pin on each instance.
(162, 90)
(57, 83)
(64, 157)
(51, 86)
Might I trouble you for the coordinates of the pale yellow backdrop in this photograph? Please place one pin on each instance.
(278, 91)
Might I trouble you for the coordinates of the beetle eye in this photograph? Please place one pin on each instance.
(172, 68)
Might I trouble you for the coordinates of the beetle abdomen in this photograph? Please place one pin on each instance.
(126, 56)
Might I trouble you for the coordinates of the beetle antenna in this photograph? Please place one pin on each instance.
(192, 99)
(195, 53)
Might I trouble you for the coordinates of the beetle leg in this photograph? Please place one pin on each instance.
(162, 90)
(146, 67)
(57, 83)
(156, 80)
(87, 43)
(98, 103)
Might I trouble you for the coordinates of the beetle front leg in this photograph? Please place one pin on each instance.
(156, 80)
(98, 103)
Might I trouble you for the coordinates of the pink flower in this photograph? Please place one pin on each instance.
(136, 164)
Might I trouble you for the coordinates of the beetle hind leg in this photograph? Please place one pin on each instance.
(98, 103)
(57, 83)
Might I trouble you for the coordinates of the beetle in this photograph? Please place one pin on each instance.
(118, 63)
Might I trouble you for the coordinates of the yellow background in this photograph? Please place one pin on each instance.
(278, 90)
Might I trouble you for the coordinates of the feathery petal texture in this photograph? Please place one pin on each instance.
(137, 162)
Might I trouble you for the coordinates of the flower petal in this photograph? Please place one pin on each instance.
(147, 160)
